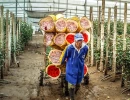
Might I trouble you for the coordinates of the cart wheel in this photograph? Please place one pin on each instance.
(86, 79)
(41, 78)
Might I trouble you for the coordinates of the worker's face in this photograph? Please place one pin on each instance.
(78, 44)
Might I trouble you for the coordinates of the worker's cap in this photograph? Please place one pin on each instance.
(78, 36)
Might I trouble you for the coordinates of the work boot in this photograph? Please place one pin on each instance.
(77, 88)
(71, 93)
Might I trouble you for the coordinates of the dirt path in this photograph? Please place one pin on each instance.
(24, 82)
(96, 90)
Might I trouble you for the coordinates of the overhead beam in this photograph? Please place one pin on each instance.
(74, 13)
(123, 1)
(62, 8)
(10, 7)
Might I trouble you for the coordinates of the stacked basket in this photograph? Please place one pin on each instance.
(59, 32)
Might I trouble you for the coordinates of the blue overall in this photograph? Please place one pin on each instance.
(75, 62)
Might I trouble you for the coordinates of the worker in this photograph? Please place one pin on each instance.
(74, 56)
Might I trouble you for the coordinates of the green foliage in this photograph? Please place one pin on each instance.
(95, 27)
(26, 32)
(12, 45)
(97, 55)
(1, 58)
(128, 28)
(120, 27)
(48, 49)
(123, 57)
(25, 36)
(126, 64)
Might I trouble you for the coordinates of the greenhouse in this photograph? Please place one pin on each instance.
(64, 49)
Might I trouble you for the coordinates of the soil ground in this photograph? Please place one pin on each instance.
(22, 83)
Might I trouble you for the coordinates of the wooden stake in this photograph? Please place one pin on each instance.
(14, 39)
(17, 32)
(99, 28)
(114, 43)
(107, 41)
(125, 27)
(102, 36)
(124, 39)
(91, 32)
(9, 39)
(1, 38)
(1, 27)
(7, 42)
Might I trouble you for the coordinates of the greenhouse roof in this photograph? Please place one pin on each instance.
(34, 10)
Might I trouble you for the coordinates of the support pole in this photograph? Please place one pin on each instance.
(1, 39)
(124, 39)
(125, 27)
(53, 5)
(102, 36)
(76, 11)
(58, 4)
(7, 42)
(17, 32)
(24, 10)
(66, 7)
(85, 7)
(99, 28)
(1, 27)
(9, 38)
(107, 41)
(91, 32)
(114, 43)
(14, 40)
(16, 19)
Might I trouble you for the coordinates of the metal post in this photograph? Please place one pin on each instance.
(58, 4)
(16, 12)
(66, 7)
(53, 5)
(120, 10)
(24, 10)
(50, 8)
(85, 7)
(76, 10)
